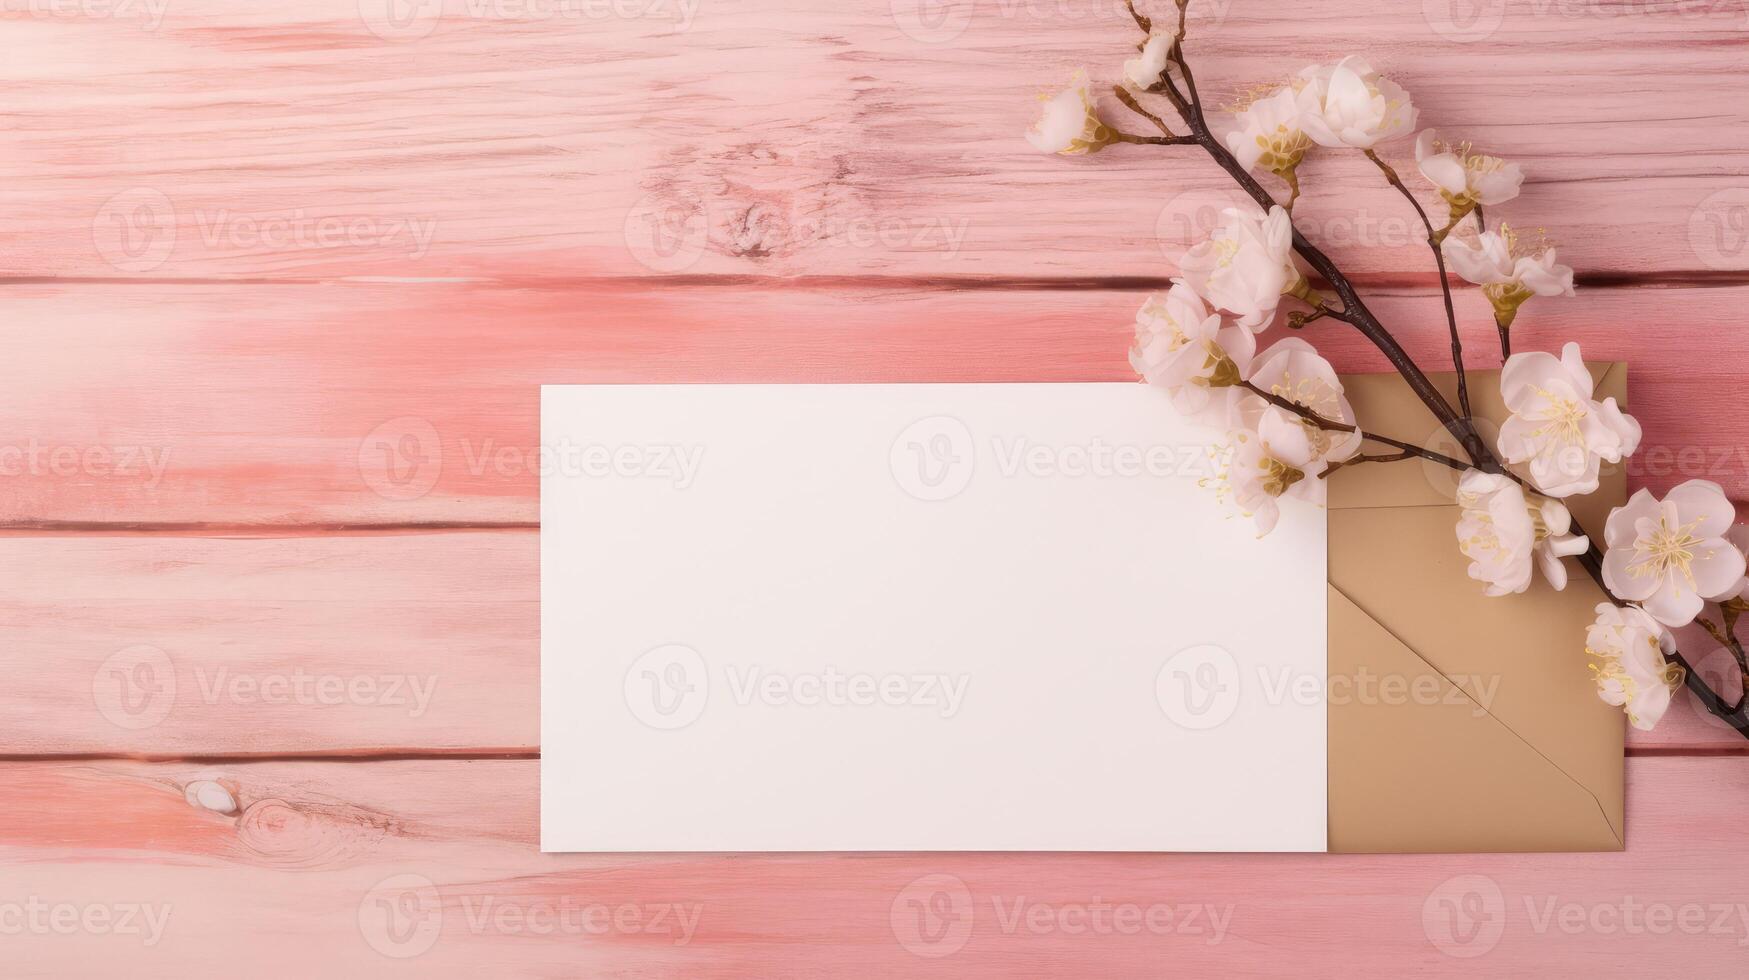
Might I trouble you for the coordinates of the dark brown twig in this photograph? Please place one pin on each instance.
(1130, 103)
(1325, 422)
(1434, 240)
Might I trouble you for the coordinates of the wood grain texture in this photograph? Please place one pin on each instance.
(265, 479)
(168, 645)
(308, 877)
(516, 138)
(400, 403)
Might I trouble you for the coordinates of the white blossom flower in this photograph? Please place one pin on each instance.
(1507, 277)
(1184, 348)
(1068, 123)
(1629, 648)
(1270, 132)
(1464, 178)
(1555, 424)
(1501, 533)
(1246, 265)
(1278, 452)
(1352, 105)
(1671, 556)
(1145, 70)
(1738, 535)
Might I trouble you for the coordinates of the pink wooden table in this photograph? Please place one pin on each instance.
(281, 280)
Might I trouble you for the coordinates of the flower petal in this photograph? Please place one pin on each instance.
(1718, 569)
(1703, 501)
(1618, 576)
(1619, 530)
(1673, 604)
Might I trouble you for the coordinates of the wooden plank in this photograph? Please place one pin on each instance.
(431, 869)
(510, 139)
(159, 644)
(165, 645)
(400, 403)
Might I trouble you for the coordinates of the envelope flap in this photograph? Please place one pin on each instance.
(1433, 770)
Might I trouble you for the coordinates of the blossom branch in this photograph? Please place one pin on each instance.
(1142, 21)
(1364, 458)
(1182, 345)
(1736, 715)
(1356, 311)
(1434, 241)
(1130, 103)
(1354, 308)
(1117, 137)
(1407, 449)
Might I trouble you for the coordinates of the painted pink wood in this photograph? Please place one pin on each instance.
(395, 403)
(555, 154)
(165, 645)
(428, 868)
(170, 645)
(507, 138)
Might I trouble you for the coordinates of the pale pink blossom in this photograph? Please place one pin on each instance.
(1557, 427)
(1629, 648)
(1671, 556)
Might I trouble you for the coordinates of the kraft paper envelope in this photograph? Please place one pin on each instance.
(1517, 753)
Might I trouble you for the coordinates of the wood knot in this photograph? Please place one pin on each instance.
(310, 835)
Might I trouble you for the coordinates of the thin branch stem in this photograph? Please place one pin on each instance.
(1142, 21)
(1117, 137)
(1433, 242)
(1365, 458)
(1129, 101)
(1325, 422)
